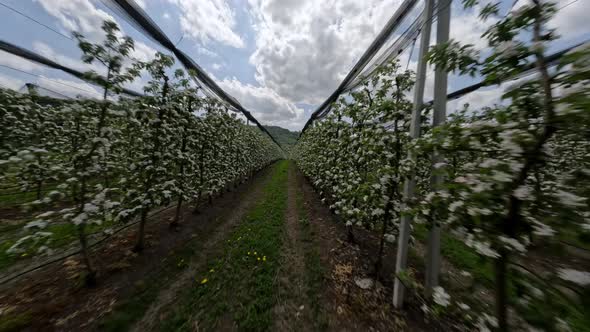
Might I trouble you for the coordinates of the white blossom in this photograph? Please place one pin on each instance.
(377, 212)
(441, 297)
(581, 278)
(512, 244)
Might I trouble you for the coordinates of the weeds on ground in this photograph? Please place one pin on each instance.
(239, 286)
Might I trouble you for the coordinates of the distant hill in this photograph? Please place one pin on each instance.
(285, 137)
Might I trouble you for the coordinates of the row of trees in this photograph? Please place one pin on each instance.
(513, 172)
(106, 160)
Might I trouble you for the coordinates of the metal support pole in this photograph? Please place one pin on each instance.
(440, 115)
(410, 183)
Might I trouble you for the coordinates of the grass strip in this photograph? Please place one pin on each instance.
(239, 287)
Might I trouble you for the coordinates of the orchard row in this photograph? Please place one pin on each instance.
(513, 176)
(91, 161)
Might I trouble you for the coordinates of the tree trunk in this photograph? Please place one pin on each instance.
(350, 234)
(174, 224)
(502, 291)
(379, 262)
(139, 246)
(512, 222)
(39, 187)
(198, 202)
(90, 278)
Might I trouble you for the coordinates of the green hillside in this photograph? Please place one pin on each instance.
(285, 137)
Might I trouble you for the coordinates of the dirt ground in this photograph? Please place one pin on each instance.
(292, 311)
(55, 299)
(349, 307)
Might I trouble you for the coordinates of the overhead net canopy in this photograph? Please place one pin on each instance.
(138, 18)
(398, 35)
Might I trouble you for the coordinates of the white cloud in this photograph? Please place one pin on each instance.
(265, 104)
(77, 64)
(141, 3)
(207, 52)
(70, 88)
(466, 26)
(305, 47)
(166, 15)
(10, 82)
(78, 15)
(571, 21)
(477, 99)
(209, 20)
(84, 17)
(48, 52)
(16, 62)
(143, 52)
(217, 66)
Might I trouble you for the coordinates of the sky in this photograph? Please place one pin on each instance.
(279, 58)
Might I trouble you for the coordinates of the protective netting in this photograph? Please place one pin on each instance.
(137, 17)
(351, 81)
(386, 48)
(32, 56)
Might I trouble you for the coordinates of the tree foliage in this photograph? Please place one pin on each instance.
(115, 159)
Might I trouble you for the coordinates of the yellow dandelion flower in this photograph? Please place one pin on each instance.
(204, 281)
(264, 258)
(257, 258)
(248, 253)
(255, 253)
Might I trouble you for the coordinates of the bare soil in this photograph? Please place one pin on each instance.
(292, 311)
(347, 306)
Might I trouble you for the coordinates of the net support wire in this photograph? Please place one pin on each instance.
(137, 17)
(37, 58)
(391, 25)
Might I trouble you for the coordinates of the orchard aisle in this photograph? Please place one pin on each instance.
(235, 289)
(296, 296)
(212, 247)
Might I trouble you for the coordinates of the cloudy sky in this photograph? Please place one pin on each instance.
(278, 58)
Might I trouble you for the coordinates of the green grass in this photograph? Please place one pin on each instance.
(575, 237)
(145, 292)
(461, 256)
(13, 323)
(13, 198)
(540, 312)
(240, 285)
(314, 277)
(62, 235)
